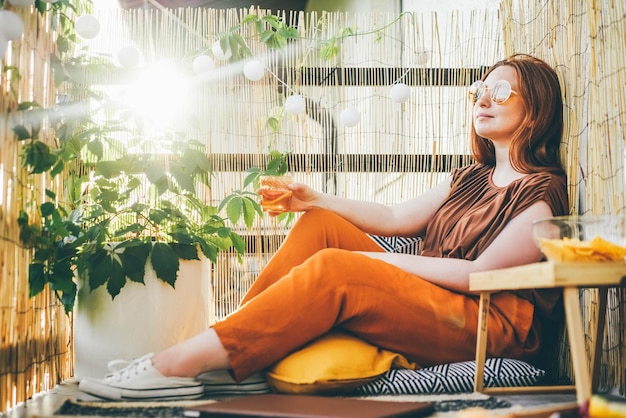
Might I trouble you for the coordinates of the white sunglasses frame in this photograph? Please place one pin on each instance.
(476, 86)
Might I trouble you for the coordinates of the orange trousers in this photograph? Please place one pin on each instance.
(316, 282)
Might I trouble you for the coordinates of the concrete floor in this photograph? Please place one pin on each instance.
(45, 405)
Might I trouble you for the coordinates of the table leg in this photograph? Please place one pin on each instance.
(576, 335)
(598, 337)
(481, 340)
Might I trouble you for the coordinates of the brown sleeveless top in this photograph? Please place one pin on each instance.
(476, 211)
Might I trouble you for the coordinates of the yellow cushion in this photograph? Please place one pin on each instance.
(334, 363)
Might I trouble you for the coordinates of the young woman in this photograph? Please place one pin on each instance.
(329, 274)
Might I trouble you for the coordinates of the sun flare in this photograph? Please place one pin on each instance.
(159, 96)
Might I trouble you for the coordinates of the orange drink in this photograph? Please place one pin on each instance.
(275, 196)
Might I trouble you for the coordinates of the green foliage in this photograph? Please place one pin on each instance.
(270, 30)
(107, 232)
(122, 205)
(243, 204)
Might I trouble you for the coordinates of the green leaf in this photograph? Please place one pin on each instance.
(184, 180)
(117, 280)
(47, 209)
(134, 259)
(238, 243)
(38, 156)
(134, 228)
(22, 218)
(36, 279)
(185, 251)
(57, 168)
(99, 269)
(108, 169)
(223, 232)
(155, 174)
(227, 199)
(253, 174)
(63, 276)
(21, 132)
(108, 195)
(96, 148)
(274, 124)
(196, 159)
(68, 299)
(251, 18)
(250, 209)
(165, 262)
(27, 105)
(209, 251)
(234, 209)
(158, 216)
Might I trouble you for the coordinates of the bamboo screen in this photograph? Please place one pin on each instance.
(35, 353)
(585, 41)
(396, 151)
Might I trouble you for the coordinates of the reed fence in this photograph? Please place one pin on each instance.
(395, 152)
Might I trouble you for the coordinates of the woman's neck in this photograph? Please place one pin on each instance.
(503, 172)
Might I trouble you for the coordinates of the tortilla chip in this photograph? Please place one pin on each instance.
(566, 249)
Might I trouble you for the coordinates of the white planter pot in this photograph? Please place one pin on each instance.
(141, 319)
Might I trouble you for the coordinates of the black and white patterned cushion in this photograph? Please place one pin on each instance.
(398, 244)
(453, 378)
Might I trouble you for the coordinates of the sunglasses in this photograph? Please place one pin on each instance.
(499, 93)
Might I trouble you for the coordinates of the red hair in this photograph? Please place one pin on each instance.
(535, 145)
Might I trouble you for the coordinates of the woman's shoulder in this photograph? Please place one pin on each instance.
(552, 179)
(547, 186)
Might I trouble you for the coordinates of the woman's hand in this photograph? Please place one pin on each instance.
(303, 197)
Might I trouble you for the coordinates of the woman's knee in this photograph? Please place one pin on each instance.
(336, 266)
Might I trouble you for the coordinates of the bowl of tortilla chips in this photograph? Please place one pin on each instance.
(581, 238)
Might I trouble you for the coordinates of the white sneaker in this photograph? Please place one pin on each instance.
(119, 364)
(221, 383)
(140, 380)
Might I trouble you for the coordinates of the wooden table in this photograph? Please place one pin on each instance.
(570, 276)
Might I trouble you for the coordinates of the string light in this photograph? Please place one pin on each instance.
(350, 117)
(295, 104)
(202, 64)
(87, 26)
(11, 25)
(254, 70)
(129, 56)
(400, 92)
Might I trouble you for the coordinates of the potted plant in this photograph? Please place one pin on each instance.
(124, 212)
(114, 213)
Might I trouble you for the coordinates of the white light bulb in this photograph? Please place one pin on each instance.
(219, 53)
(22, 3)
(87, 26)
(350, 117)
(11, 25)
(254, 70)
(4, 45)
(295, 104)
(400, 92)
(202, 64)
(129, 56)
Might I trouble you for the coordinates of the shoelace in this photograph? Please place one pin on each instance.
(123, 369)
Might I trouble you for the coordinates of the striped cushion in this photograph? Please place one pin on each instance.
(398, 244)
(453, 378)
